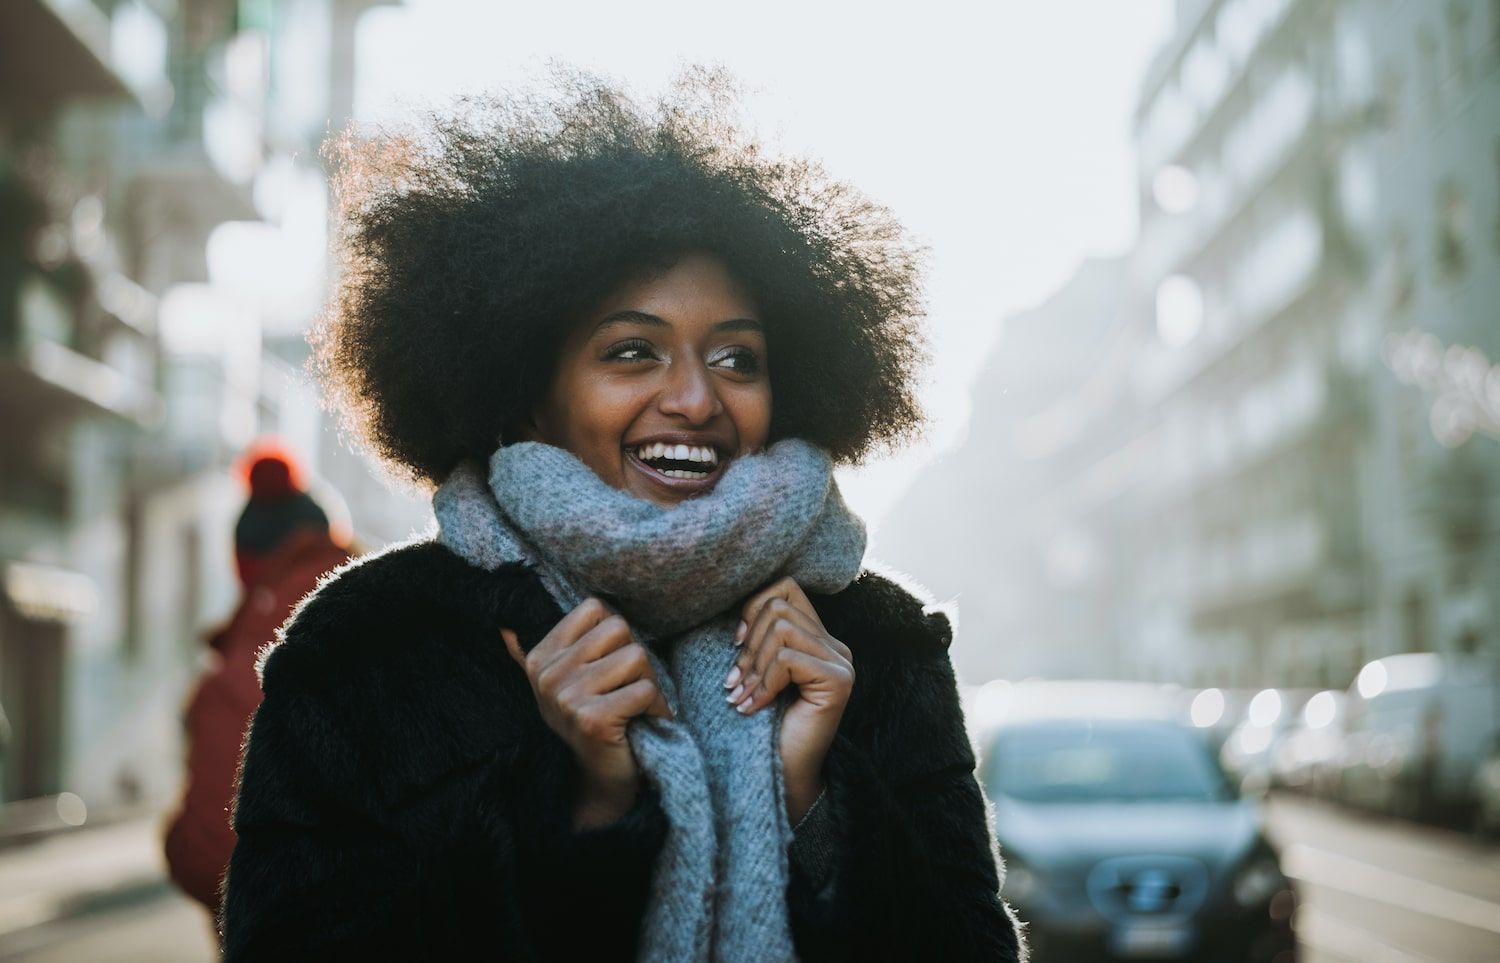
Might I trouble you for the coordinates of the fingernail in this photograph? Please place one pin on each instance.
(744, 707)
(734, 693)
(732, 678)
(739, 632)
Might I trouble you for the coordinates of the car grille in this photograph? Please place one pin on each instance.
(1130, 887)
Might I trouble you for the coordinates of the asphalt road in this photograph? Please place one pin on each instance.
(1379, 890)
(1372, 891)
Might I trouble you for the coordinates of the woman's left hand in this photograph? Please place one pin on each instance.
(783, 642)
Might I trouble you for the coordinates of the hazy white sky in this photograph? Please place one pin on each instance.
(998, 133)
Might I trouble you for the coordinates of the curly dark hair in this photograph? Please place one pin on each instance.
(471, 242)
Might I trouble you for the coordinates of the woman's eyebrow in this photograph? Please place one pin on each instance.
(739, 324)
(642, 317)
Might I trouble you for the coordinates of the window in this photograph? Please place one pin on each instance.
(1414, 621)
(1453, 228)
(1497, 186)
(190, 585)
(1431, 78)
(1460, 64)
(1392, 91)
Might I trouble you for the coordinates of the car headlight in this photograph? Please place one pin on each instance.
(1258, 881)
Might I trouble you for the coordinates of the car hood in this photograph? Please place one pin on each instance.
(1065, 836)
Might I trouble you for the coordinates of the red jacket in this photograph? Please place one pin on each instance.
(199, 839)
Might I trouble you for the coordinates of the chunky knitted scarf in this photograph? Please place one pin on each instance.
(679, 576)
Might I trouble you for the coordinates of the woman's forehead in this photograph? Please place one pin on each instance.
(697, 290)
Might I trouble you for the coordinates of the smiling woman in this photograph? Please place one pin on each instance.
(667, 387)
(638, 698)
(474, 247)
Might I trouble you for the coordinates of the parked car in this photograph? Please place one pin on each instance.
(1421, 725)
(1247, 753)
(1215, 712)
(1307, 758)
(1487, 795)
(1121, 836)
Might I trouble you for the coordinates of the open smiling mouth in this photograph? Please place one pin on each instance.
(679, 467)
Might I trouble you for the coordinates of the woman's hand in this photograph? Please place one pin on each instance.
(590, 678)
(783, 642)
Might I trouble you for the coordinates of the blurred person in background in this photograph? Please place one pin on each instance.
(283, 544)
(637, 699)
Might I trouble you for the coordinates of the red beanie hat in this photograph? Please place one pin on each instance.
(277, 508)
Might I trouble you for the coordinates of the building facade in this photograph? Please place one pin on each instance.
(1323, 512)
(161, 252)
(1289, 464)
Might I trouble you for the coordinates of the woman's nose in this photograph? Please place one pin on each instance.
(691, 393)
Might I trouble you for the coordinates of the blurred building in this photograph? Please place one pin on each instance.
(1260, 365)
(1020, 524)
(162, 237)
(1312, 182)
(1425, 192)
(1292, 465)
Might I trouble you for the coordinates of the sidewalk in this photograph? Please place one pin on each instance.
(68, 874)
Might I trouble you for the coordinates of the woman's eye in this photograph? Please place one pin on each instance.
(630, 351)
(742, 360)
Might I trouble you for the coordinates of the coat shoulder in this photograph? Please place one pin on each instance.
(905, 711)
(413, 601)
(889, 615)
(394, 674)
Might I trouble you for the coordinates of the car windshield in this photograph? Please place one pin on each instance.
(1082, 762)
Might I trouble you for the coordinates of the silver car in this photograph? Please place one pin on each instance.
(1123, 839)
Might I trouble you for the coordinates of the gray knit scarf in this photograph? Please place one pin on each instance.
(679, 576)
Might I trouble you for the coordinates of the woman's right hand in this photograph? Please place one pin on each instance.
(590, 678)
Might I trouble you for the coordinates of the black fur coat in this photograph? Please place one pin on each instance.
(400, 797)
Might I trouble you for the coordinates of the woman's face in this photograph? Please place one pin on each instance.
(663, 384)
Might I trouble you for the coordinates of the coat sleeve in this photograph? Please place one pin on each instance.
(198, 839)
(916, 872)
(318, 872)
(586, 892)
(381, 816)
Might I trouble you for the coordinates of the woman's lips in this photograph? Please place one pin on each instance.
(681, 487)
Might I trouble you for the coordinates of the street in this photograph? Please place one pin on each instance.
(1375, 889)
(1372, 890)
(166, 928)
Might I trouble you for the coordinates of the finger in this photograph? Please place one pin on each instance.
(610, 635)
(785, 589)
(659, 707)
(789, 667)
(785, 636)
(804, 632)
(607, 636)
(781, 623)
(760, 644)
(584, 616)
(620, 667)
(641, 697)
(513, 646)
(776, 609)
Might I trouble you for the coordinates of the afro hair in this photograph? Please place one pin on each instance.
(470, 242)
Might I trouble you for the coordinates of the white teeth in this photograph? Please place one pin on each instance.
(703, 454)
